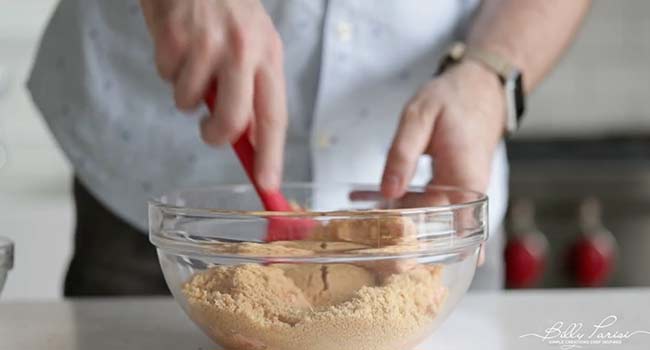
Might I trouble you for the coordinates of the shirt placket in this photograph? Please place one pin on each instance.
(337, 46)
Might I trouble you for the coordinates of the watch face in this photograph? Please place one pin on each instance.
(520, 103)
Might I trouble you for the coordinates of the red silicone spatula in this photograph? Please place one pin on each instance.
(279, 228)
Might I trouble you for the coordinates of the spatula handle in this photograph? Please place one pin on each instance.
(272, 200)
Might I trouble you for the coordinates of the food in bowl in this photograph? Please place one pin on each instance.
(267, 307)
(374, 277)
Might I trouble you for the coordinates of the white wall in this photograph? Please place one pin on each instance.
(35, 209)
(602, 87)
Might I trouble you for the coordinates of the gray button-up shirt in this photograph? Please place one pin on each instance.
(351, 65)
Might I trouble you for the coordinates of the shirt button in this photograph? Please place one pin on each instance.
(344, 31)
(323, 141)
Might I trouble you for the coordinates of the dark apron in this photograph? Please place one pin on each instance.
(111, 257)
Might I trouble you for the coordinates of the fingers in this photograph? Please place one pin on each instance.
(235, 43)
(148, 10)
(233, 107)
(411, 140)
(270, 127)
(197, 72)
(171, 42)
(431, 197)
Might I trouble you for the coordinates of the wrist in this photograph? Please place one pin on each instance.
(488, 88)
(477, 63)
(478, 74)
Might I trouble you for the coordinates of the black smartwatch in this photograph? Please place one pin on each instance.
(511, 78)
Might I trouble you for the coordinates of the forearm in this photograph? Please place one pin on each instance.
(532, 34)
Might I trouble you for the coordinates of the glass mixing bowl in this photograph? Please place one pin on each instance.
(361, 273)
(6, 259)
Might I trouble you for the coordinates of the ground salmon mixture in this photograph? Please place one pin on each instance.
(315, 307)
(378, 305)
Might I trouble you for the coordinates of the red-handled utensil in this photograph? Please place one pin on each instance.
(279, 228)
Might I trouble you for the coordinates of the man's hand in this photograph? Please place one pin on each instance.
(458, 119)
(234, 43)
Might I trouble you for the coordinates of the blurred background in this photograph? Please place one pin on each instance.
(580, 168)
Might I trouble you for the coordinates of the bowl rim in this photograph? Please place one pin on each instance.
(6, 253)
(447, 243)
(442, 253)
(208, 212)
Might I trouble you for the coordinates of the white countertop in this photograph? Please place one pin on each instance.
(485, 321)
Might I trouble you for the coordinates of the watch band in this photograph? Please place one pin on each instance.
(509, 75)
(491, 61)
